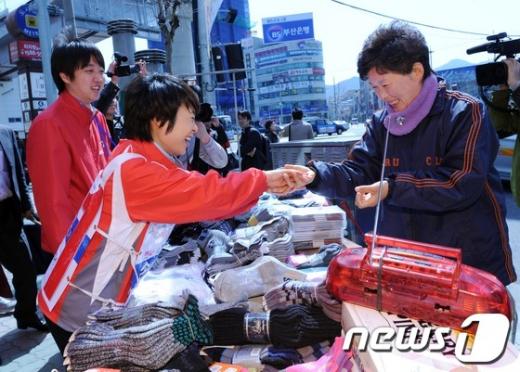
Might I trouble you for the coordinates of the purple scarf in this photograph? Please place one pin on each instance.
(401, 123)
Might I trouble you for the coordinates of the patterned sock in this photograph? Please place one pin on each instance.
(291, 292)
(299, 326)
(252, 280)
(330, 306)
(323, 257)
(280, 357)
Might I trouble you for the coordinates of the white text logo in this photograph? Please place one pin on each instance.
(488, 344)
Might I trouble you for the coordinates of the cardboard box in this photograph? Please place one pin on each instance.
(403, 361)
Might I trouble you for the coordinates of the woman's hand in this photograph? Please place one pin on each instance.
(366, 195)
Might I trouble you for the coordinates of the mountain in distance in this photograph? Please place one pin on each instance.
(454, 63)
(343, 86)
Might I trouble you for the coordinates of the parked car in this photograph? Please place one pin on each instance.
(230, 128)
(341, 126)
(320, 125)
(504, 160)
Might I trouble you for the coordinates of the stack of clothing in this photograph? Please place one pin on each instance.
(271, 237)
(317, 226)
(137, 338)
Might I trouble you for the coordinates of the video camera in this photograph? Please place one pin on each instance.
(123, 70)
(495, 73)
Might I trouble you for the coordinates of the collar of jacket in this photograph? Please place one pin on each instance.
(76, 106)
(437, 107)
(438, 104)
(148, 149)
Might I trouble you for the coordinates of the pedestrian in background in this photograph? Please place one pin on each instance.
(297, 129)
(15, 205)
(270, 131)
(251, 144)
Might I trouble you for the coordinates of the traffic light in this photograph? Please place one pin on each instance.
(216, 52)
(235, 59)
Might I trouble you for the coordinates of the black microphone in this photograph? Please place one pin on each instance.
(479, 48)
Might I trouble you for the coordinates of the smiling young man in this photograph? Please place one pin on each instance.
(134, 203)
(69, 142)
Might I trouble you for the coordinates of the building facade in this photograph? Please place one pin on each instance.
(224, 32)
(290, 75)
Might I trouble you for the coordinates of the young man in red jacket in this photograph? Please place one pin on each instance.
(69, 142)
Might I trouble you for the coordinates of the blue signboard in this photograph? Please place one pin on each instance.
(27, 21)
(288, 28)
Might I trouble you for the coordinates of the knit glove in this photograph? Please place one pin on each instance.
(189, 326)
(147, 346)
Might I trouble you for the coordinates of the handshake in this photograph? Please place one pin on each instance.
(291, 177)
(285, 180)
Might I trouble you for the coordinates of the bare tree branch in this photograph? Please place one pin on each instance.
(168, 22)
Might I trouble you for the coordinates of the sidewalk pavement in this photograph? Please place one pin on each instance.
(27, 350)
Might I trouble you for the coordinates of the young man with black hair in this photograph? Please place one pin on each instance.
(251, 144)
(69, 142)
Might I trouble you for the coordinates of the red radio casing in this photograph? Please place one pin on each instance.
(417, 280)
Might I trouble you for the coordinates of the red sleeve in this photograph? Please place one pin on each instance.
(49, 165)
(154, 193)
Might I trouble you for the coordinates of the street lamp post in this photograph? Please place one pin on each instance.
(281, 113)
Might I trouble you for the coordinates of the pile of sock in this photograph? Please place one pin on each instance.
(291, 292)
(294, 292)
(256, 356)
(252, 280)
(321, 259)
(296, 326)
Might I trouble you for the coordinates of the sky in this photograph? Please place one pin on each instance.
(342, 30)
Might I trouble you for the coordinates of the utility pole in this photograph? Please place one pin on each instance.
(70, 18)
(202, 18)
(44, 32)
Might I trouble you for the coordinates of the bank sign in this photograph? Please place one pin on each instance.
(288, 28)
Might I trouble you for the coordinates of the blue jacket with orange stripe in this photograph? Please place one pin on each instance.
(444, 188)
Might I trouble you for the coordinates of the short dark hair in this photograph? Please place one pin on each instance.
(297, 114)
(71, 55)
(245, 114)
(205, 113)
(267, 124)
(394, 47)
(157, 96)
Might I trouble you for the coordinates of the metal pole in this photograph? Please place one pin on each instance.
(281, 113)
(235, 97)
(204, 53)
(44, 31)
(244, 105)
(70, 19)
